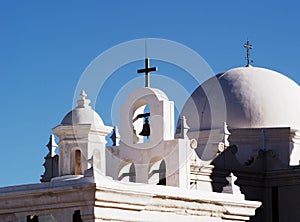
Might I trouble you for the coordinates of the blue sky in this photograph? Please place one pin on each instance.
(46, 46)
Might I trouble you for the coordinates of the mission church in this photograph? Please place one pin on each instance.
(234, 156)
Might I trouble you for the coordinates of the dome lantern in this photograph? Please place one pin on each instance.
(82, 114)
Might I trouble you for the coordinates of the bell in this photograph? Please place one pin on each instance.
(146, 129)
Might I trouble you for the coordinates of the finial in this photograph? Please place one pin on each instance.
(232, 188)
(184, 128)
(248, 46)
(83, 94)
(231, 179)
(83, 102)
(51, 146)
(147, 71)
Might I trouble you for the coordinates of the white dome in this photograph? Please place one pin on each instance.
(82, 114)
(244, 97)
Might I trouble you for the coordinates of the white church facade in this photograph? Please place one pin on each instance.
(134, 180)
(234, 157)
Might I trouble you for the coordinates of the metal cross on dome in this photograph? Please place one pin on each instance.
(147, 71)
(249, 47)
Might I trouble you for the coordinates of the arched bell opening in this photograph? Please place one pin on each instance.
(127, 172)
(141, 122)
(157, 171)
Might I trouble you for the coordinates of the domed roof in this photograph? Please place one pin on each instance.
(82, 114)
(244, 97)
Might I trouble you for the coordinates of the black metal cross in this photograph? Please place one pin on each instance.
(249, 47)
(147, 71)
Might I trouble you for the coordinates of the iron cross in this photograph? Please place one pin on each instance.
(249, 47)
(147, 71)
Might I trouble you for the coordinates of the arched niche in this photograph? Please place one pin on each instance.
(76, 161)
(157, 171)
(127, 171)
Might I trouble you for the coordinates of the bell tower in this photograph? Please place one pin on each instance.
(81, 140)
(148, 151)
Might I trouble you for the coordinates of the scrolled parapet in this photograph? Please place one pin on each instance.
(211, 143)
(221, 147)
(193, 144)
